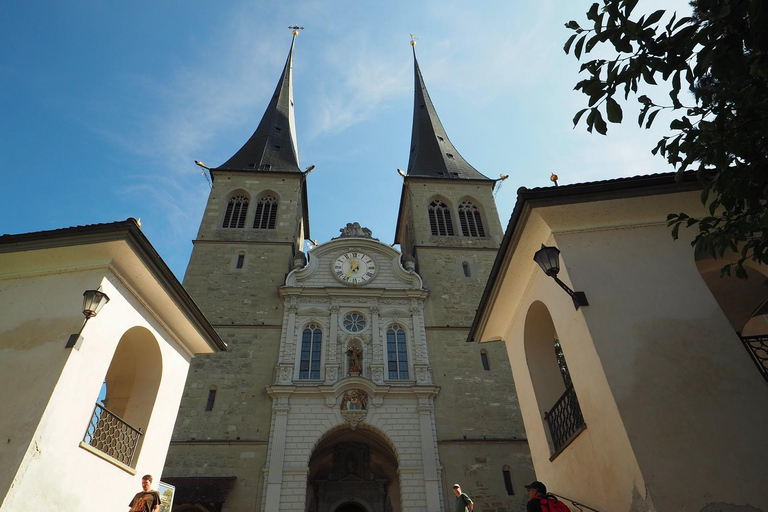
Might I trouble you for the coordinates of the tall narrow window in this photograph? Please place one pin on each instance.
(484, 360)
(397, 353)
(311, 344)
(508, 480)
(211, 399)
(469, 218)
(465, 267)
(440, 218)
(237, 208)
(266, 212)
(240, 260)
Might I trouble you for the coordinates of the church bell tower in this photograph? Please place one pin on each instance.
(252, 230)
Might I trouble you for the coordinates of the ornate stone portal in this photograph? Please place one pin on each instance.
(351, 482)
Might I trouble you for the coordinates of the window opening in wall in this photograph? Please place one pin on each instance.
(240, 260)
(397, 353)
(440, 219)
(465, 267)
(311, 344)
(449, 155)
(266, 212)
(277, 147)
(484, 360)
(469, 218)
(508, 480)
(237, 208)
(211, 399)
(564, 373)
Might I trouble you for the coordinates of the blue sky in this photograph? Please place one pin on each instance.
(104, 105)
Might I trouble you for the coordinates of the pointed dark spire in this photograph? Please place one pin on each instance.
(272, 147)
(432, 153)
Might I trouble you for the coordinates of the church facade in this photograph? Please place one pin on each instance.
(348, 385)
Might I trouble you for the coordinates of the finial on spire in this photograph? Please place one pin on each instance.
(553, 178)
(296, 29)
(413, 40)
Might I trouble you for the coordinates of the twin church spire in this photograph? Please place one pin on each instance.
(272, 147)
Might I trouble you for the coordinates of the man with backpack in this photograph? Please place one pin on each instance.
(540, 502)
(463, 503)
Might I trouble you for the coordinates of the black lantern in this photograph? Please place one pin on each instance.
(93, 301)
(548, 259)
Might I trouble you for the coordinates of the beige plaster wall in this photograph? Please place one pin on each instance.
(673, 406)
(692, 402)
(54, 466)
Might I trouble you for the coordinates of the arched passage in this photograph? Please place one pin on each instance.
(353, 470)
(744, 303)
(130, 387)
(555, 395)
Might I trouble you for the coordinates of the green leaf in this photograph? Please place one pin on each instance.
(568, 43)
(613, 109)
(578, 116)
(653, 18)
(651, 118)
(573, 25)
(579, 46)
(600, 125)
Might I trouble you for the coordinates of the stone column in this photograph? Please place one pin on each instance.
(377, 344)
(332, 348)
(429, 453)
(277, 454)
(288, 362)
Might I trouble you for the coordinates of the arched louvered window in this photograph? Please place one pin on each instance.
(469, 218)
(440, 218)
(237, 208)
(397, 353)
(266, 212)
(311, 345)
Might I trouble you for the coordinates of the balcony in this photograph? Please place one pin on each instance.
(112, 436)
(565, 420)
(757, 346)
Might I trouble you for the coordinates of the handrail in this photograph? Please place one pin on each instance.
(564, 419)
(757, 346)
(575, 503)
(111, 435)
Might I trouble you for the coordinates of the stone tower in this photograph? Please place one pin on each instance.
(348, 385)
(254, 224)
(448, 224)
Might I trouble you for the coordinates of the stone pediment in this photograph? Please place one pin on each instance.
(383, 263)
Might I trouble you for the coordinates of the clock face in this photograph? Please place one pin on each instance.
(354, 268)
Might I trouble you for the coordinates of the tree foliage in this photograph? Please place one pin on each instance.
(714, 65)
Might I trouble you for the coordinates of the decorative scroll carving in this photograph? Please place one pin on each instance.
(285, 374)
(409, 262)
(332, 374)
(300, 260)
(354, 400)
(377, 374)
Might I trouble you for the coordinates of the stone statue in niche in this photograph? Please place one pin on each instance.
(354, 400)
(355, 354)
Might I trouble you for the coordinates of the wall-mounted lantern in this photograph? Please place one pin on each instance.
(93, 301)
(548, 259)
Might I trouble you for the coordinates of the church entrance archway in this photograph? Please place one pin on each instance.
(350, 507)
(353, 471)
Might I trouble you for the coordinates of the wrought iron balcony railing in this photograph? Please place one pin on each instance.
(564, 419)
(109, 434)
(757, 346)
